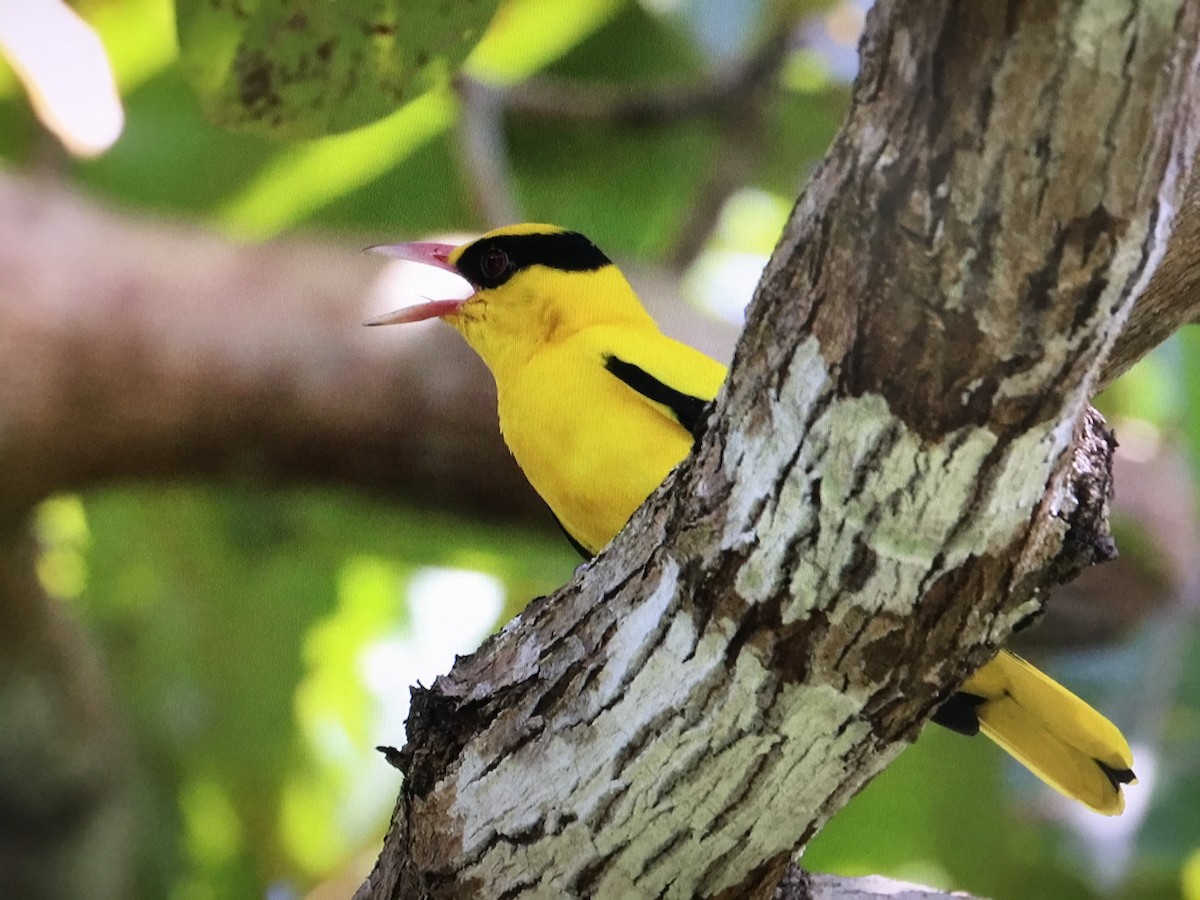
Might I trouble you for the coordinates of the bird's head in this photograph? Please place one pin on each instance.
(534, 284)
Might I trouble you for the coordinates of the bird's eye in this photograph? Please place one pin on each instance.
(494, 263)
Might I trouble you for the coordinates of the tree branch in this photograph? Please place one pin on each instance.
(734, 98)
(650, 104)
(831, 887)
(131, 349)
(1172, 297)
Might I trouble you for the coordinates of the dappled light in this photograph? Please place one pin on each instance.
(63, 66)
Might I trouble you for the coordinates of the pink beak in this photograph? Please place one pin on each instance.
(431, 254)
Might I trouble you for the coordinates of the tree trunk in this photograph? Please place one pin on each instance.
(903, 459)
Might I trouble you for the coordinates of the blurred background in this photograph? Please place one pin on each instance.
(236, 526)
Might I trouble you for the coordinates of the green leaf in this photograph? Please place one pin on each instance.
(1190, 877)
(626, 188)
(237, 626)
(307, 175)
(304, 68)
(528, 35)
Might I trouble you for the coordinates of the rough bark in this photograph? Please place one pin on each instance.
(902, 461)
(831, 887)
(1172, 297)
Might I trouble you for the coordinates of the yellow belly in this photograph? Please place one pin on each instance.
(590, 446)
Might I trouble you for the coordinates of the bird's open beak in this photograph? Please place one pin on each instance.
(430, 254)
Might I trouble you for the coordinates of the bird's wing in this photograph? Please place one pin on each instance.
(640, 367)
(673, 377)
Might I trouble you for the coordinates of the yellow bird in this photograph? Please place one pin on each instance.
(597, 406)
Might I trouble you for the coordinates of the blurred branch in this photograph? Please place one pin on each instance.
(734, 97)
(134, 349)
(739, 145)
(653, 104)
(740, 135)
(1156, 496)
(66, 791)
(485, 153)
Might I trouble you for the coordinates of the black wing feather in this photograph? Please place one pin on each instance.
(960, 713)
(687, 410)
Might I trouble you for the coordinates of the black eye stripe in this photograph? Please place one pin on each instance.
(567, 251)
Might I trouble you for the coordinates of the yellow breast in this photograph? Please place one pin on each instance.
(590, 446)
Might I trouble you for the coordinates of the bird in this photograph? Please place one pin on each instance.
(597, 406)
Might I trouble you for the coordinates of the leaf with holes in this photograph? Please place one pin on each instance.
(304, 68)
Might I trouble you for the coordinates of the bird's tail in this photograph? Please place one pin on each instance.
(1048, 729)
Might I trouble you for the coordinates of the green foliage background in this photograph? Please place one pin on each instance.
(234, 621)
